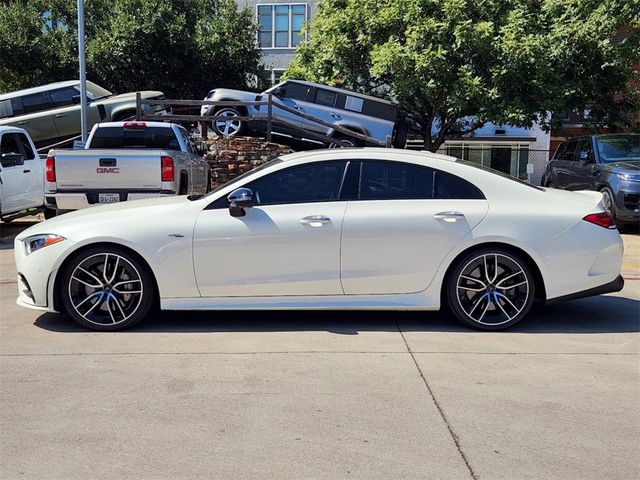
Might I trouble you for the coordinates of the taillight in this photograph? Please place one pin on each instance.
(134, 125)
(50, 169)
(167, 169)
(601, 219)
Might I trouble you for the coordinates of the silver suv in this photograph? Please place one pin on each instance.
(51, 113)
(364, 114)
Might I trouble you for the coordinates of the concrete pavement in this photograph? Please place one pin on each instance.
(323, 395)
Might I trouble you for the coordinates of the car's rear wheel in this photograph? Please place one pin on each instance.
(490, 289)
(231, 126)
(349, 142)
(106, 288)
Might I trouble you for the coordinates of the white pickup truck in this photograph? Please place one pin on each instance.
(21, 175)
(125, 161)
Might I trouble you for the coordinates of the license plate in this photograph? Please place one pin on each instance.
(108, 197)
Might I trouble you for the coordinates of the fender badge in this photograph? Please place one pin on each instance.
(176, 235)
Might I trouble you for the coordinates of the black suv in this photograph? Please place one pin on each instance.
(607, 163)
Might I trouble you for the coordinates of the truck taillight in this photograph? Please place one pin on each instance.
(168, 174)
(50, 169)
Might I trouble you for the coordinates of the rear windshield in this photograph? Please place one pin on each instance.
(120, 137)
(499, 173)
(619, 148)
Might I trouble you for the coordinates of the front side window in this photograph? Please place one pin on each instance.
(296, 91)
(395, 181)
(25, 146)
(280, 26)
(310, 183)
(570, 150)
(63, 97)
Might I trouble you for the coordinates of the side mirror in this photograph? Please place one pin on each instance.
(584, 156)
(76, 99)
(280, 92)
(240, 199)
(12, 159)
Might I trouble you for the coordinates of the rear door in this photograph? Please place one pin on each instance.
(406, 219)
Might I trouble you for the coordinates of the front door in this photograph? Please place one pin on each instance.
(584, 167)
(288, 243)
(294, 96)
(405, 221)
(22, 182)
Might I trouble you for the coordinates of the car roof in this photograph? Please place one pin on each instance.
(38, 89)
(352, 153)
(341, 90)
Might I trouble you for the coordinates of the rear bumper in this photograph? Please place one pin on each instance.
(77, 201)
(614, 286)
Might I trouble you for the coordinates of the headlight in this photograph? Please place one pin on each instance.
(36, 242)
(628, 177)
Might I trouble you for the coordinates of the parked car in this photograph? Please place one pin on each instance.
(333, 229)
(607, 163)
(51, 113)
(125, 161)
(21, 175)
(364, 114)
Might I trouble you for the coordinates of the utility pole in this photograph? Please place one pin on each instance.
(83, 72)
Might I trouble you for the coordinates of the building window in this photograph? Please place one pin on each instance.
(281, 25)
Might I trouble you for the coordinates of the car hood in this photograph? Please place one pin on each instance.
(118, 213)
(632, 167)
(131, 96)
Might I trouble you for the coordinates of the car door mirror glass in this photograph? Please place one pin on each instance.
(240, 199)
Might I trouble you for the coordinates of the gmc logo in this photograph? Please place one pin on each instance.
(108, 170)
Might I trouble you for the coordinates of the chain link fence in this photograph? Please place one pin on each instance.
(517, 160)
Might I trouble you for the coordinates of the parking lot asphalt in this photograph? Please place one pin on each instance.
(326, 395)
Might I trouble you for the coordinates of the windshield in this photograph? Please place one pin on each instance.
(94, 92)
(246, 175)
(619, 148)
(499, 173)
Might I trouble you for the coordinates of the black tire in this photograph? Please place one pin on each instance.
(209, 179)
(183, 188)
(550, 185)
(609, 203)
(49, 213)
(472, 283)
(353, 142)
(233, 128)
(88, 292)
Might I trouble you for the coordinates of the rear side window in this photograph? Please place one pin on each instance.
(395, 181)
(35, 103)
(120, 137)
(325, 97)
(451, 187)
(313, 182)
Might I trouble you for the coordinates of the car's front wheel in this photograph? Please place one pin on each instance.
(490, 289)
(608, 203)
(106, 288)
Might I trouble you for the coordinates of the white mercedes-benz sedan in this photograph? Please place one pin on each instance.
(333, 229)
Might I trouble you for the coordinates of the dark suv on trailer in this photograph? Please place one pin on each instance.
(607, 163)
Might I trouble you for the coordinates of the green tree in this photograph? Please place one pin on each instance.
(455, 65)
(182, 47)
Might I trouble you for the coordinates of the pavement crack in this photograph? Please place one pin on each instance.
(453, 434)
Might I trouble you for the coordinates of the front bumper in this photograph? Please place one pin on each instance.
(627, 201)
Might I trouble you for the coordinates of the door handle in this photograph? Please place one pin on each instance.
(315, 220)
(298, 108)
(24, 122)
(336, 116)
(61, 115)
(26, 171)
(449, 216)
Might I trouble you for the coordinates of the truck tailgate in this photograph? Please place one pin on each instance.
(108, 169)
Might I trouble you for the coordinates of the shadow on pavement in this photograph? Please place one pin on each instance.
(8, 232)
(606, 314)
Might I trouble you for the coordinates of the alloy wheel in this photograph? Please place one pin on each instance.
(229, 127)
(492, 289)
(607, 203)
(105, 289)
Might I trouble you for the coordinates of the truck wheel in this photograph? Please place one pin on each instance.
(231, 127)
(49, 213)
(352, 142)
